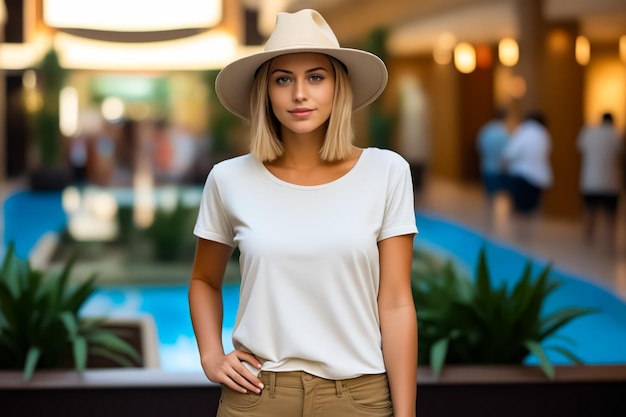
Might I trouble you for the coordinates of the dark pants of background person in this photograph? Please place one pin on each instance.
(299, 394)
(494, 183)
(525, 196)
(604, 201)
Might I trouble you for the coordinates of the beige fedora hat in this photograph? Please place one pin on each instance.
(303, 31)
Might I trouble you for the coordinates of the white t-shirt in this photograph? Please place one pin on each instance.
(528, 154)
(309, 259)
(601, 148)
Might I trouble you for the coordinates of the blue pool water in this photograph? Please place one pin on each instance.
(600, 338)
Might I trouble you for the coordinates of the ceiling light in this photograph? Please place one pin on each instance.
(132, 16)
(508, 52)
(464, 58)
(583, 50)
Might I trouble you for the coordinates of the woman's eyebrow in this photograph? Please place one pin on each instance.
(307, 71)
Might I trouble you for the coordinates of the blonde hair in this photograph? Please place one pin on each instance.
(265, 127)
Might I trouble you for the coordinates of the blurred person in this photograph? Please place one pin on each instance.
(527, 161)
(600, 180)
(104, 155)
(491, 140)
(183, 153)
(326, 323)
(414, 135)
(163, 156)
(79, 158)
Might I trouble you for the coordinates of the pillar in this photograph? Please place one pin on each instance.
(3, 104)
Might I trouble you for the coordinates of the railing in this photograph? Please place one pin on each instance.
(460, 391)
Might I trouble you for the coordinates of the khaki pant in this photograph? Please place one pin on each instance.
(298, 394)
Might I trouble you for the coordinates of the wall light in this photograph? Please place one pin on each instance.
(112, 108)
(508, 52)
(583, 50)
(464, 58)
(68, 111)
(622, 48)
(483, 56)
(517, 87)
(442, 52)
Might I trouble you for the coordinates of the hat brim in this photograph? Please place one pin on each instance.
(367, 73)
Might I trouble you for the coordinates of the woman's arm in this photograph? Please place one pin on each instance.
(206, 308)
(398, 322)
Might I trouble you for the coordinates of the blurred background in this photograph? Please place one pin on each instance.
(109, 123)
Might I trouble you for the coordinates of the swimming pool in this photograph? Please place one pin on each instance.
(600, 338)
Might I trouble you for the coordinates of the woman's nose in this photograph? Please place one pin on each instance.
(299, 93)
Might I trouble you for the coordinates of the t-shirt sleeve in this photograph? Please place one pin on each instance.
(399, 216)
(212, 222)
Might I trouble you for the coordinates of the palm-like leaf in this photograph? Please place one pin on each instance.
(39, 322)
(471, 321)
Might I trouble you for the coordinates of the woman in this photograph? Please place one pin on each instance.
(326, 323)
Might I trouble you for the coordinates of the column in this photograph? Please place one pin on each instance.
(3, 104)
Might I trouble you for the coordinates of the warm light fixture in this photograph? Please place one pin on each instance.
(517, 87)
(17, 56)
(483, 56)
(132, 16)
(442, 51)
(464, 57)
(622, 48)
(267, 15)
(508, 52)
(29, 79)
(3, 13)
(559, 42)
(207, 50)
(583, 50)
(112, 108)
(68, 111)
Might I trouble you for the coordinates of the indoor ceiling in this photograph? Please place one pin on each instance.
(416, 25)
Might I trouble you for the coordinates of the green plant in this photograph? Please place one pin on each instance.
(465, 321)
(169, 232)
(221, 121)
(40, 327)
(51, 77)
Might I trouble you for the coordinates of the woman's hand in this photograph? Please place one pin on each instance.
(230, 371)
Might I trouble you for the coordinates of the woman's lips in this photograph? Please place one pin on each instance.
(301, 113)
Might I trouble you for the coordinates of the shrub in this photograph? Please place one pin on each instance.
(40, 327)
(465, 321)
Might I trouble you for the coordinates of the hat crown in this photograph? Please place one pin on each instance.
(306, 28)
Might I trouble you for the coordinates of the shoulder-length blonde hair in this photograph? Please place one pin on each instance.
(266, 144)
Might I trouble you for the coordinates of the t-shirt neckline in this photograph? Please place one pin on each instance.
(267, 173)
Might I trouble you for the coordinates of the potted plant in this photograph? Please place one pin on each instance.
(224, 129)
(168, 232)
(465, 321)
(49, 173)
(40, 325)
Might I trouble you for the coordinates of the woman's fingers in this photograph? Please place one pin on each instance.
(242, 375)
(230, 371)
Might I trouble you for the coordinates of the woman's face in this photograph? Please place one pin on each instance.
(301, 89)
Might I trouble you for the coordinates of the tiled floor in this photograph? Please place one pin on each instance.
(554, 240)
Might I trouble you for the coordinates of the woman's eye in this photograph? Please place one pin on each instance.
(316, 77)
(282, 80)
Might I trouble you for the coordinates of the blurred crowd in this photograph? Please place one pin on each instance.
(515, 162)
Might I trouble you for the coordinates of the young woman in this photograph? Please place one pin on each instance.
(326, 324)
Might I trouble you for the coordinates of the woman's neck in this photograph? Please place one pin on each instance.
(301, 151)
